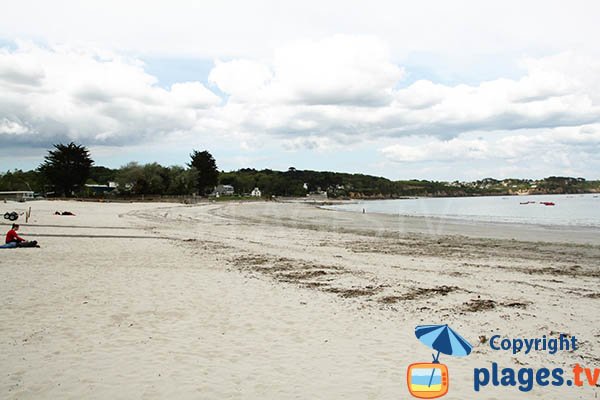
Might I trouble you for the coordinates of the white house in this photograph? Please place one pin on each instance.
(256, 192)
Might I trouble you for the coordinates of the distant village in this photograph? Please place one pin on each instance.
(529, 186)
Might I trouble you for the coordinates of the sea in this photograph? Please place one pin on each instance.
(571, 210)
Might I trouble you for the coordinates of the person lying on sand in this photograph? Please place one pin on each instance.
(64, 213)
(13, 237)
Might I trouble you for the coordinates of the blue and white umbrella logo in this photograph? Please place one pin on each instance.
(444, 340)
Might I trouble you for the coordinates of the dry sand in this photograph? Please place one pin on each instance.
(280, 301)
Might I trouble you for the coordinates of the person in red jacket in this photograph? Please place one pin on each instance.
(13, 237)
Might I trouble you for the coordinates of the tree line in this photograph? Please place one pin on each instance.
(67, 168)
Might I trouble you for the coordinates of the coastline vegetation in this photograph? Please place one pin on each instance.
(68, 170)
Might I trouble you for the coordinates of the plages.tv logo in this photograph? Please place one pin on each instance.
(430, 380)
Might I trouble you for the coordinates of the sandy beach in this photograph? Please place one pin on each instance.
(266, 300)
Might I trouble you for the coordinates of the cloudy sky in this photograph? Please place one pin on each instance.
(431, 89)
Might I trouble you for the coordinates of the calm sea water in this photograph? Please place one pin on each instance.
(579, 210)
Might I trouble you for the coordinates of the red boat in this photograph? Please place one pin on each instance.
(547, 203)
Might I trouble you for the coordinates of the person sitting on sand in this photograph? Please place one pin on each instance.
(13, 237)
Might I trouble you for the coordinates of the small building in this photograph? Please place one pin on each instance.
(317, 195)
(223, 190)
(101, 189)
(256, 192)
(23, 195)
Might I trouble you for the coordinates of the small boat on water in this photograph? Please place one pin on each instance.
(547, 203)
(527, 202)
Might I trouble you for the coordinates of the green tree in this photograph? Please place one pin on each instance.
(181, 180)
(102, 175)
(156, 177)
(67, 167)
(143, 179)
(153, 178)
(130, 178)
(19, 180)
(206, 167)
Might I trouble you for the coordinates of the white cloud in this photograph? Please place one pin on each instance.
(338, 70)
(12, 127)
(437, 150)
(193, 95)
(343, 87)
(243, 80)
(346, 87)
(310, 94)
(310, 142)
(69, 93)
(550, 143)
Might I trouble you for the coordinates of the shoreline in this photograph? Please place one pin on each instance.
(492, 227)
(174, 199)
(465, 221)
(439, 226)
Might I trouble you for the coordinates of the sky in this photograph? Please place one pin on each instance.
(439, 90)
